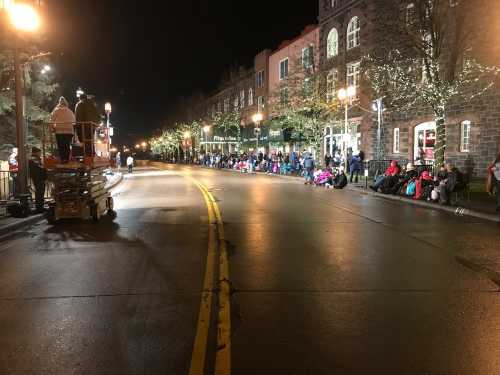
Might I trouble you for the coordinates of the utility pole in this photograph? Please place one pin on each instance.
(22, 175)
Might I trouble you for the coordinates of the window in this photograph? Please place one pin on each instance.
(331, 84)
(260, 104)
(250, 96)
(353, 33)
(226, 105)
(332, 43)
(353, 74)
(242, 99)
(308, 56)
(396, 141)
(219, 107)
(284, 96)
(260, 79)
(465, 136)
(283, 69)
(236, 102)
(307, 88)
(410, 14)
(334, 3)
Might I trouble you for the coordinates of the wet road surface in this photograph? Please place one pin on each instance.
(324, 283)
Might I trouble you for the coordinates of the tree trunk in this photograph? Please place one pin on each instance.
(440, 146)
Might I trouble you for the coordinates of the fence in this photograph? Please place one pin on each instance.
(8, 186)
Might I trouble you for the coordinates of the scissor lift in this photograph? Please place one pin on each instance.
(79, 186)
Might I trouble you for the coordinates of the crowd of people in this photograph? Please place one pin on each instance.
(415, 182)
(421, 185)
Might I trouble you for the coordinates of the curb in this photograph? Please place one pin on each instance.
(112, 185)
(20, 223)
(459, 211)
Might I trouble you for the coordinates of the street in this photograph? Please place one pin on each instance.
(325, 282)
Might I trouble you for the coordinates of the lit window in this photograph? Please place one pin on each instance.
(260, 79)
(465, 136)
(331, 84)
(260, 104)
(236, 102)
(332, 43)
(353, 30)
(226, 105)
(353, 74)
(308, 56)
(250, 96)
(242, 99)
(396, 141)
(334, 3)
(283, 69)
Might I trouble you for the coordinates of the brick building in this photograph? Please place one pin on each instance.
(472, 127)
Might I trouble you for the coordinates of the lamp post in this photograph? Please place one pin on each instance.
(206, 129)
(378, 106)
(79, 92)
(345, 95)
(257, 119)
(24, 19)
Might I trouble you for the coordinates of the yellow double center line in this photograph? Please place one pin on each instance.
(216, 241)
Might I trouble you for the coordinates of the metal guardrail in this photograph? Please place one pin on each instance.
(8, 186)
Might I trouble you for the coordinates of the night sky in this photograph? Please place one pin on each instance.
(142, 56)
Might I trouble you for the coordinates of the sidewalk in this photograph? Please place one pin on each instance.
(481, 205)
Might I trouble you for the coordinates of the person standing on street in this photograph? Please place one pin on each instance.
(309, 168)
(63, 121)
(118, 159)
(38, 176)
(130, 163)
(354, 168)
(494, 171)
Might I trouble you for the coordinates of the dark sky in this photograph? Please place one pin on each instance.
(142, 55)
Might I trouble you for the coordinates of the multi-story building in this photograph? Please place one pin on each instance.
(235, 94)
(472, 128)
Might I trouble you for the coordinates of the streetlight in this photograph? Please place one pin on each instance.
(144, 144)
(345, 95)
(24, 19)
(257, 118)
(79, 92)
(46, 69)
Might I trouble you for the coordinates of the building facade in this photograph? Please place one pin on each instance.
(472, 127)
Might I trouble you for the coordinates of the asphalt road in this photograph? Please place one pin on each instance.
(325, 282)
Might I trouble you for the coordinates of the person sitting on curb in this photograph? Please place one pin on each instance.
(424, 186)
(454, 182)
(340, 180)
(393, 170)
(411, 174)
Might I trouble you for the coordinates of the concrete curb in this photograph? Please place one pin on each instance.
(459, 211)
(114, 184)
(20, 223)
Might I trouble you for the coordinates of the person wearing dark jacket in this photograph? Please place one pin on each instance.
(340, 180)
(355, 167)
(494, 171)
(454, 182)
(410, 174)
(38, 175)
(87, 119)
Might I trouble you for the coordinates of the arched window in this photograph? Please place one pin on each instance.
(332, 43)
(353, 33)
(250, 96)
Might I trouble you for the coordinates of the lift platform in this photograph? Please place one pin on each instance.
(79, 186)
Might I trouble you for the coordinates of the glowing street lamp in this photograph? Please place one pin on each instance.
(24, 19)
(79, 92)
(144, 144)
(46, 69)
(345, 96)
(257, 119)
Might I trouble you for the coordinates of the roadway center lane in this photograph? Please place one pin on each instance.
(335, 282)
(118, 298)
